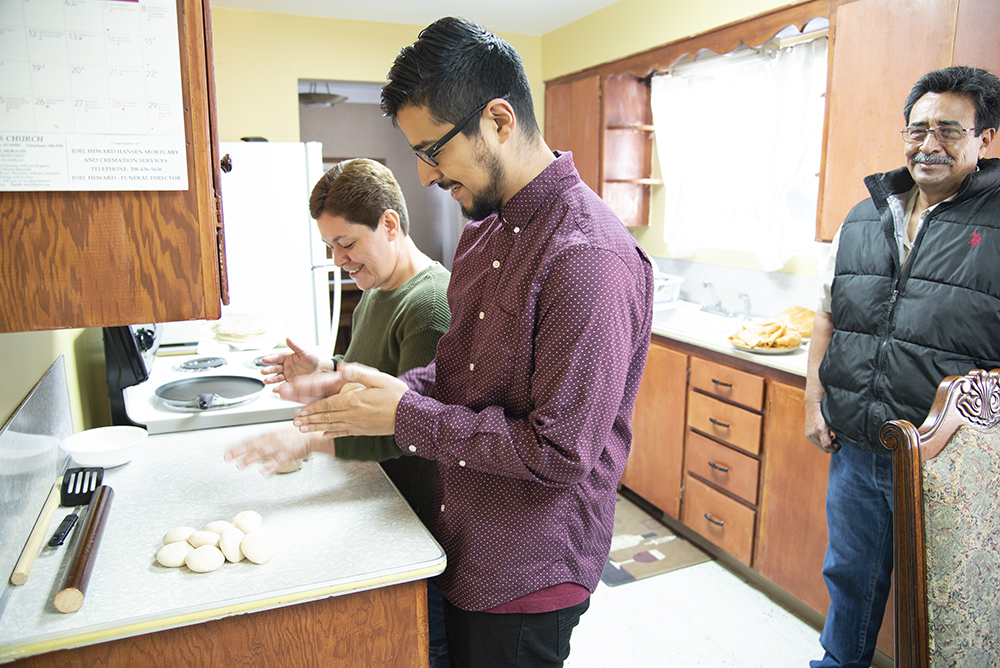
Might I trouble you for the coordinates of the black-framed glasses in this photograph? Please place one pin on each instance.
(945, 134)
(427, 155)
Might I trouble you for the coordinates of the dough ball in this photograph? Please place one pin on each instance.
(204, 559)
(174, 554)
(247, 521)
(229, 543)
(289, 467)
(350, 387)
(217, 526)
(177, 535)
(200, 538)
(257, 546)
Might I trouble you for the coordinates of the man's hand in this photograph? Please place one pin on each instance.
(365, 411)
(817, 431)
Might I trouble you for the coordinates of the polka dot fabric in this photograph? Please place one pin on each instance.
(527, 406)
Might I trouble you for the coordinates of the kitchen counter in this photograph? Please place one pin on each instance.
(687, 323)
(338, 527)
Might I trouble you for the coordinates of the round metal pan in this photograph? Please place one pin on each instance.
(209, 393)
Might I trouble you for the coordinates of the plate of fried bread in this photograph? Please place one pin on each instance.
(775, 337)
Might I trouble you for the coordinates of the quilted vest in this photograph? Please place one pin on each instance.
(898, 332)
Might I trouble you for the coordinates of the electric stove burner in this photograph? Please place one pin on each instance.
(259, 363)
(202, 364)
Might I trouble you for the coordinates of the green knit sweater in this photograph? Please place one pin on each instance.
(395, 331)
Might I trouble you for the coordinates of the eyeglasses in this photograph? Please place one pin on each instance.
(945, 134)
(427, 155)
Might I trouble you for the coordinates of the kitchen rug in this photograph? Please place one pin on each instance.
(642, 547)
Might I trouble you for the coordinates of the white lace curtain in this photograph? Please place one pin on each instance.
(739, 142)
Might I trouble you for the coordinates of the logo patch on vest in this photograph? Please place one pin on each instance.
(975, 239)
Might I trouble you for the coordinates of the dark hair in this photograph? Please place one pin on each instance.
(359, 190)
(981, 86)
(454, 67)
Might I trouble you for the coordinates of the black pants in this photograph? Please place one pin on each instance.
(485, 640)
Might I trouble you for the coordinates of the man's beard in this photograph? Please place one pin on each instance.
(491, 199)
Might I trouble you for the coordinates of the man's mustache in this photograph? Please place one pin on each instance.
(932, 159)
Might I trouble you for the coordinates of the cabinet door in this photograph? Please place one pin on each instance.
(657, 457)
(89, 259)
(573, 123)
(868, 84)
(792, 533)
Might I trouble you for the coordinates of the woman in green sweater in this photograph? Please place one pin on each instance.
(361, 215)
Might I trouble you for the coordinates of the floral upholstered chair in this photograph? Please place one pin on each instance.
(947, 533)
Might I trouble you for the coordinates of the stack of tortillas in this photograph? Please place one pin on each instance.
(241, 331)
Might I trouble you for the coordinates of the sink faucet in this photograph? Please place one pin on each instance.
(716, 305)
(746, 305)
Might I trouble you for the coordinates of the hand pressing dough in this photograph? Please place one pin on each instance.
(289, 467)
(178, 534)
(218, 526)
(247, 521)
(204, 559)
(174, 554)
(257, 546)
(200, 538)
(229, 543)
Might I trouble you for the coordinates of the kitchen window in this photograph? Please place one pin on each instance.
(739, 140)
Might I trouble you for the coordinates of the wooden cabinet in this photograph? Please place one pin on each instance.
(868, 83)
(573, 123)
(657, 457)
(87, 259)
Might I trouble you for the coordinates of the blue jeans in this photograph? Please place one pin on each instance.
(858, 563)
(435, 623)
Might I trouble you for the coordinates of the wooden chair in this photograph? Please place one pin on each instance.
(947, 526)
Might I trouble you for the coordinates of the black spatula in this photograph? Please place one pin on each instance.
(78, 487)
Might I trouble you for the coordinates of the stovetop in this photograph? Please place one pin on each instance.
(144, 407)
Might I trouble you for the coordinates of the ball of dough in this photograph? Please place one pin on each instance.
(174, 554)
(289, 467)
(204, 559)
(229, 543)
(247, 521)
(200, 538)
(218, 526)
(178, 534)
(257, 546)
(350, 387)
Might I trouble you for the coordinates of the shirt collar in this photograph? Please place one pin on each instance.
(556, 177)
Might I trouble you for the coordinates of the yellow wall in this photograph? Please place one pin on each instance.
(259, 58)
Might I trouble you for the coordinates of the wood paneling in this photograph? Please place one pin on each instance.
(85, 259)
(657, 458)
(378, 627)
(572, 123)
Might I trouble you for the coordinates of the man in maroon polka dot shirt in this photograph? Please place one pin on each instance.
(528, 402)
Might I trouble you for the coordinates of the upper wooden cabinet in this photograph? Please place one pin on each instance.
(90, 259)
(572, 123)
(879, 49)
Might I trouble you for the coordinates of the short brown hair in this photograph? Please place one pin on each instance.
(359, 190)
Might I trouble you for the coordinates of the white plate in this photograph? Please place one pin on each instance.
(104, 446)
(765, 351)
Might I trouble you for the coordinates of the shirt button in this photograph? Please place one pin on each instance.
(516, 230)
(442, 507)
(472, 367)
(481, 315)
(461, 462)
(496, 264)
(413, 448)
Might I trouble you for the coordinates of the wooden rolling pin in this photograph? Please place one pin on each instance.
(37, 536)
(70, 597)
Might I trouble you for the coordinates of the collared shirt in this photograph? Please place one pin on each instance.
(527, 405)
(901, 206)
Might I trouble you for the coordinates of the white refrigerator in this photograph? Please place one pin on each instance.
(276, 262)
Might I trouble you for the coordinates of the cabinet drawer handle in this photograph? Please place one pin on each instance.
(708, 516)
(718, 423)
(722, 383)
(724, 469)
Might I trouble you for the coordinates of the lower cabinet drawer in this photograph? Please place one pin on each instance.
(724, 521)
(724, 467)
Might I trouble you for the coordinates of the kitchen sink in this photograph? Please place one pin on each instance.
(689, 318)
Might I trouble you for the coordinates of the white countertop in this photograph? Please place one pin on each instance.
(337, 527)
(688, 323)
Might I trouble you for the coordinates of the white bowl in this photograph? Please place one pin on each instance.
(104, 446)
